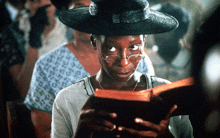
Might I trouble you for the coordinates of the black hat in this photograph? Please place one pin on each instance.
(118, 17)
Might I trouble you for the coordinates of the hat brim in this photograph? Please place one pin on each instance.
(81, 20)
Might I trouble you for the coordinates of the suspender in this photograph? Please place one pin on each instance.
(149, 80)
(152, 79)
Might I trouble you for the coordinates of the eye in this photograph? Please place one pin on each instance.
(135, 47)
(111, 49)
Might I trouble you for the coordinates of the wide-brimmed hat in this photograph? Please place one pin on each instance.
(118, 17)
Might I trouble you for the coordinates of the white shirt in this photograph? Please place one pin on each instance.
(70, 100)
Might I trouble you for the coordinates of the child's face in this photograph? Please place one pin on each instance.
(120, 55)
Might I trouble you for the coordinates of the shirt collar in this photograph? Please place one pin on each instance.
(12, 11)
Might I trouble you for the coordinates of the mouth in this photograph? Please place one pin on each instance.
(123, 74)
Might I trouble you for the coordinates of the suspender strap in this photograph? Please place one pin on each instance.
(152, 79)
(149, 80)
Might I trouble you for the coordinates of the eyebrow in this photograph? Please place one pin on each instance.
(135, 41)
(112, 41)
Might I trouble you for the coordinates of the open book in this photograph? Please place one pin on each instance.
(151, 104)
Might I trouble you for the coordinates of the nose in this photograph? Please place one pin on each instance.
(124, 62)
(124, 59)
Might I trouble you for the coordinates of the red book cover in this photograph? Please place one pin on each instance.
(151, 104)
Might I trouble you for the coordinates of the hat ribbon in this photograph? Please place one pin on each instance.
(132, 16)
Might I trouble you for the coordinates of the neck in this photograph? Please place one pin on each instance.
(81, 46)
(50, 27)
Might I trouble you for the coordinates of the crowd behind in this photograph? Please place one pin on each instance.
(39, 56)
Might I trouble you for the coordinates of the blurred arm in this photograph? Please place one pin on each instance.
(42, 123)
(22, 73)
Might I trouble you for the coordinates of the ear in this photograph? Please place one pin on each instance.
(93, 42)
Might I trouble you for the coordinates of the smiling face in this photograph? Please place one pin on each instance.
(119, 56)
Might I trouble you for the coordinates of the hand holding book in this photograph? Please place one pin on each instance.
(100, 124)
(131, 114)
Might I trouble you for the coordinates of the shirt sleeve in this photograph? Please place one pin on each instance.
(145, 65)
(40, 95)
(60, 126)
(9, 48)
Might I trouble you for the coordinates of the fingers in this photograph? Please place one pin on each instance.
(88, 126)
(98, 124)
(129, 132)
(165, 122)
(97, 120)
(148, 124)
(173, 108)
(155, 128)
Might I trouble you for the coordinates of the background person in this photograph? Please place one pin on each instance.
(16, 61)
(10, 11)
(170, 60)
(119, 43)
(16, 70)
(195, 8)
(54, 33)
(60, 68)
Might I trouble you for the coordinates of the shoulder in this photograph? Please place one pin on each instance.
(55, 54)
(49, 61)
(145, 65)
(62, 50)
(78, 90)
(155, 81)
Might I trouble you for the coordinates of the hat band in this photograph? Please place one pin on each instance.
(132, 16)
